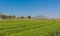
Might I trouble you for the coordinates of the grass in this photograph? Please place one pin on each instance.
(29, 27)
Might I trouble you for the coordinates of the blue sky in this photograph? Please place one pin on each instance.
(48, 8)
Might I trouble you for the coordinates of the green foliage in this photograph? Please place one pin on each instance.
(22, 17)
(29, 27)
(29, 17)
(3, 16)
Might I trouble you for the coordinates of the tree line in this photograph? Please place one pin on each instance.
(13, 17)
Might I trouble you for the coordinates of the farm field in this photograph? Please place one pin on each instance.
(29, 27)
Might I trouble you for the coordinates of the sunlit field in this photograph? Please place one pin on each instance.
(29, 27)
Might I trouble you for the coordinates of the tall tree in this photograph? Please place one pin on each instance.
(9, 17)
(22, 17)
(13, 16)
(29, 17)
(3, 16)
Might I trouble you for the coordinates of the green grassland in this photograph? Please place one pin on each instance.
(29, 27)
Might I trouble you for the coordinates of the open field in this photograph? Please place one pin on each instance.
(29, 27)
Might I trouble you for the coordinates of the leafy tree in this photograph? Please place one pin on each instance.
(13, 16)
(3, 16)
(10, 17)
(29, 17)
(22, 17)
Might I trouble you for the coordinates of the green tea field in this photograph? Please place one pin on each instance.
(29, 27)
